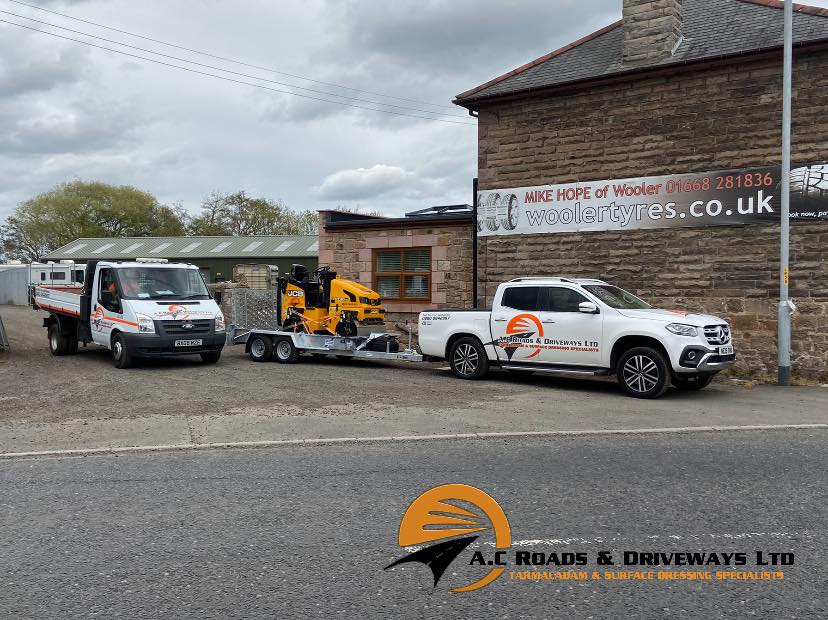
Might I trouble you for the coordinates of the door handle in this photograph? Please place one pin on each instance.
(547, 321)
(500, 319)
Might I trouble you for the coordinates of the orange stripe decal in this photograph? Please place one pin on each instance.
(58, 309)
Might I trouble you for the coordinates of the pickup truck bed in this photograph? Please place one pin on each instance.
(57, 301)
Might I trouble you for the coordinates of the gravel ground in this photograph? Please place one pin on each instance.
(329, 397)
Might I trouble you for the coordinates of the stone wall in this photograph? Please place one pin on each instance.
(704, 120)
(350, 253)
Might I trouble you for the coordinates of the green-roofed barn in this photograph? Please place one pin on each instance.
(215, 256)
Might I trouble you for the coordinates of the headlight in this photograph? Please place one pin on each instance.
(365, 301)
(219, 322)
(145, 324)
(682, 330)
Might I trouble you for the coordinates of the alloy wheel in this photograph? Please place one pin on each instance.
(641, 373)
(466, 359)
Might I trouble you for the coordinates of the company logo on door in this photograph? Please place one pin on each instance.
(524, 332)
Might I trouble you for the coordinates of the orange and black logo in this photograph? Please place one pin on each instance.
(455, 515)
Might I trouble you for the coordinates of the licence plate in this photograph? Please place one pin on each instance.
(728, 350)
(188, 343)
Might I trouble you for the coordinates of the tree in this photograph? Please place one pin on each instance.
(83, 209)
(238, 214)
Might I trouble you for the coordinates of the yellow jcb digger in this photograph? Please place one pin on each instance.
(326, 304)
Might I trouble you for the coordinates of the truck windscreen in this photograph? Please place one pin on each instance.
(616, 297)
(161, 283)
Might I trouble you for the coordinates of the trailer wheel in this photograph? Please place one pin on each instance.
(468, 359)
(261, 349)
(58, 343)
(286, 351)
(121, 355)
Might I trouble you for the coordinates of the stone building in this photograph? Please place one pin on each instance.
(679, 89)
(418, 262)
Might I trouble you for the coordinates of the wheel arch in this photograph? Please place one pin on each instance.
(457, 336)
(625, 343)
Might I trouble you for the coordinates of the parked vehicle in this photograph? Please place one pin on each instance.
(584, 327)
(146, 308)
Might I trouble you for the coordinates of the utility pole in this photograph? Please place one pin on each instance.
(785, 308)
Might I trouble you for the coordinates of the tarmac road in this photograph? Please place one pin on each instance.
(306, 531)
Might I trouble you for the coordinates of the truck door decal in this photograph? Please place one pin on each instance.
(522, 331)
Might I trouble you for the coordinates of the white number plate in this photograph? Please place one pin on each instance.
(728, 350)
(188, 343)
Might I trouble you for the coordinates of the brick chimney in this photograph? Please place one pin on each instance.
(652, 30)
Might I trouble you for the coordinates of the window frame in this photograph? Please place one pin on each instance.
(375, 275)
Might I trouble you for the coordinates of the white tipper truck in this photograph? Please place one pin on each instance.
(145, 308)
(583, 327)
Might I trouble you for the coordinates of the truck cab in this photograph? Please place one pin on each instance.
(145, 308)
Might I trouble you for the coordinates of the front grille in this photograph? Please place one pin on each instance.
(717, 334)
(182, 328)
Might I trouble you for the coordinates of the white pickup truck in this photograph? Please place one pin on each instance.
(147, 308)
(585, 327)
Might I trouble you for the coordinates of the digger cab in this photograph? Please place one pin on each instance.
(317, 291)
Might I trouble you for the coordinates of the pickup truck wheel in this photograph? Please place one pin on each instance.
(58, 343)
(692, 383)
(643, 373)
(286, 351)
(261, 349)
(121, 356)
(468, 359)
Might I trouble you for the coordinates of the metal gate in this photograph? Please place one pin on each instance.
(4, 341)
(255, 308)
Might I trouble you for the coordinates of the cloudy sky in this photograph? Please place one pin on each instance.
(72, 111)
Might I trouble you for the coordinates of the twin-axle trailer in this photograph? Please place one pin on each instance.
(263, 345)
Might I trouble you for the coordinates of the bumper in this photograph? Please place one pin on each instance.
(708, 360)
(151, 345)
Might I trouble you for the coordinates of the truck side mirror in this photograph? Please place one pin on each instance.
(587, 307)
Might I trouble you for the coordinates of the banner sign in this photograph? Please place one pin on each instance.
(701, 199)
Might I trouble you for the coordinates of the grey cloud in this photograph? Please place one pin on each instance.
(27, 66)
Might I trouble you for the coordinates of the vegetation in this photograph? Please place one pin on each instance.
(93, 209)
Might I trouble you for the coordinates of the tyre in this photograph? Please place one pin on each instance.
(643, 372)
(286, 351)
(261, 348)
(211, 357)
(121, 355)
(73, 346)
(691, 383)
(467, 358)
(58, 343)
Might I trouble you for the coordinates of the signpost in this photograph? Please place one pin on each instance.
(785, 305)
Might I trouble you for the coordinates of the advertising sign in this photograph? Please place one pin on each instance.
(700, 199)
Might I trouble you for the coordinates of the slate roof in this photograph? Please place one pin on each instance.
(188, 248)
(710, 29)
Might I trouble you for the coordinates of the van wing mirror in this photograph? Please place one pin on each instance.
(587, 307)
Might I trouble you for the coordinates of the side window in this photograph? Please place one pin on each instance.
(59, 275)
(79, 276)
(42, 276)
(522, 298)
(559, 299)
(107, 290)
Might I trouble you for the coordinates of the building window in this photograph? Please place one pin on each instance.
(404, 274)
